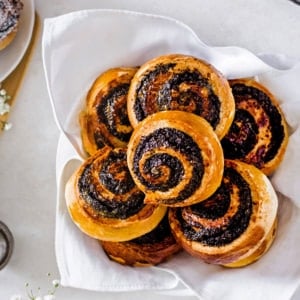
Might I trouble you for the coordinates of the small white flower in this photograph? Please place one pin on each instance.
(55, 283)
(4, 108)
(2, 92)
(16, 297)
(49, 297)
(31, 294)
(7, 126)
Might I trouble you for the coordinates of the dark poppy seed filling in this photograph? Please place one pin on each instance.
(228, 228)
(9, 23)
(101, 141)
(163, 171)
(242, 136)
(157, 235)
(112, 112)
(164, 89)
(215, 206)
(235, 145)
(114, 174)
(141, 108)
(154, 167)
(115, 177)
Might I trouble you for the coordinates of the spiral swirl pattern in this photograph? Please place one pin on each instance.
(113, 114)
(221, 218)
(105, 120)
(179, 82)
(185, 90)
(172, 156)
(235, 225)
(104, 202)
(107, 187)
(258, 134)
(164, 171)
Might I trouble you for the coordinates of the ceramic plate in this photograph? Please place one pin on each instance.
(12, 55)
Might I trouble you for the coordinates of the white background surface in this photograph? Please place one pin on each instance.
(27, 151)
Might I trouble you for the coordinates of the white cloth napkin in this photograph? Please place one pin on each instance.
(76, 48)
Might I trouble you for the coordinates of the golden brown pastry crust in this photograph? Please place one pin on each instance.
(175, 158)
(259, 132)
(9, 21)
(236, 225)
(104, 120)
(259, 252)
(7, 40)
(104, 202)
(150, 249)
(181, 82)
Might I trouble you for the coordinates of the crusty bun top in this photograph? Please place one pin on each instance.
(185, 83)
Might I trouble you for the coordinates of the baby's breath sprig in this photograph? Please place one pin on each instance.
(4, 108)
(55, 285)
(37, 296)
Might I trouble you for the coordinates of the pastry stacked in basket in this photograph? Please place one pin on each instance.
(178, 159)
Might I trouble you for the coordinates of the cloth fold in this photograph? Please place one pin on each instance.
(111, 38)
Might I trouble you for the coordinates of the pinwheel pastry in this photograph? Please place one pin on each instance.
(175, 158)
(236, 225)
(181, 82)
(104, 202)
(150, 249)
(258, 134)
(9, 21)
(104, 120)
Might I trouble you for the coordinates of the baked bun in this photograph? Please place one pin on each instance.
(175, 158)
(259, 133)
(104, 202)
(236, 225)
(150, 249)
(181, 82)
(9, 21)
(104, 120)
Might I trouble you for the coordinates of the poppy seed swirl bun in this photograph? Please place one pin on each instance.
(149, 249)
(104, 202)
(236, 225)
(185, 83)
(259, 132)
(175, 158)
(104, 121)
